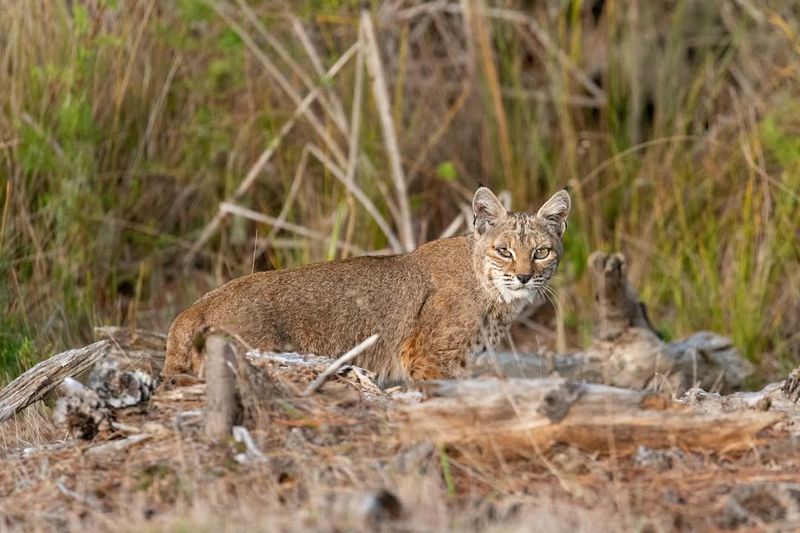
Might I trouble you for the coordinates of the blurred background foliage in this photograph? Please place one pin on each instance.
(125, 124)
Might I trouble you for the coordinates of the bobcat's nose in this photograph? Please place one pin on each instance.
(523, 278)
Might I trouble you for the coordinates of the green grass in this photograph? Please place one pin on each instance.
(122, 127)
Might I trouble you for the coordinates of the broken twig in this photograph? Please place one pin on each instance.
(336, 365)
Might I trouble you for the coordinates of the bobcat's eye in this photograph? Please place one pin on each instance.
(541, 253)
(504, 252)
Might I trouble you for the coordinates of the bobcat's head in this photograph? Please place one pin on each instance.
(518, 252)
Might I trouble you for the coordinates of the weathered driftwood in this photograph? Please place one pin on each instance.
(616, 303)
(80, 412)
(236, 390)
(223, 409)
(251, 452)
(339, 363)
(627, 351)
(772, 397)
(83, 411)
(791, 386)
(286, 364)
(189, 393)
(34, 384)
(523, 416)
(116, 446)
(121, 387)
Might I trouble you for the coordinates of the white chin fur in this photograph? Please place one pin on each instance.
(513, 294)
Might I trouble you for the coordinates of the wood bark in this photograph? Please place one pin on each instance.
(237, 392)
(772, 397)
(223, 408)
(527, 416)
(34, 384)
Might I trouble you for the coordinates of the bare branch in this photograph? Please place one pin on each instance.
(381, 95)
(336, 365)
(266, 155)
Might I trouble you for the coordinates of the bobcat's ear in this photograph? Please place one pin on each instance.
(488, 210)
(554, 212)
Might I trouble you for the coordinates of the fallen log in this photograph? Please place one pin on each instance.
(772, 397)
(632, 354)
(34, 384)
(527, 416)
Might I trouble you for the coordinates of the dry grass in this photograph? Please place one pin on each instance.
(338, 460)
(31, 428)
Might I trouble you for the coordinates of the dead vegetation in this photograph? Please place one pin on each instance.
(351, 457)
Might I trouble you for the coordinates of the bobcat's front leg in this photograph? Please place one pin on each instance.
(421, 362)
(435, 351)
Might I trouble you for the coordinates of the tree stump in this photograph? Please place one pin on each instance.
(223, 407)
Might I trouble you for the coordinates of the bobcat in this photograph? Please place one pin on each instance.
(432, 308)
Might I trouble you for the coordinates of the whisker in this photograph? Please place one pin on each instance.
(548, 293)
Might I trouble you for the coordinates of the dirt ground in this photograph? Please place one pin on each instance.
(339, 460)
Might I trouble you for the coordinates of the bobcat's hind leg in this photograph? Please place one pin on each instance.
(183, 355)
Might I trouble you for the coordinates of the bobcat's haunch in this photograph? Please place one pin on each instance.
(432, 308)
